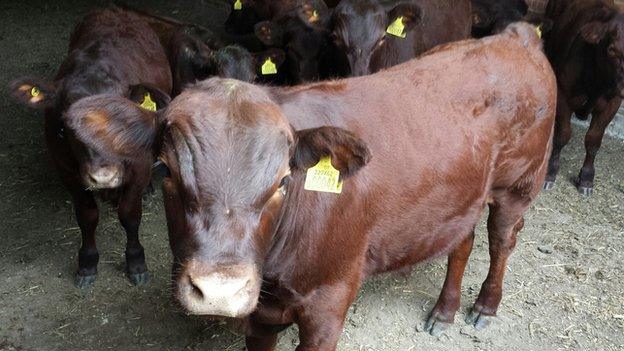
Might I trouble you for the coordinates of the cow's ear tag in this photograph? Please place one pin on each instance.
(34, 92)
(148, 103)
(397, 28)
(314, 17)
(323, 177)
(538, 30)
(268, 67)
(238, 5)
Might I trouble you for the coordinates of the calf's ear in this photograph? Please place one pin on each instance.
(411, 13)
(594, 32)
(148, 96)
(348, 152)
(269, 33)
(33, 92)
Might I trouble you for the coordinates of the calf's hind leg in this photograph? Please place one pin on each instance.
(504, 222)
(443, 314)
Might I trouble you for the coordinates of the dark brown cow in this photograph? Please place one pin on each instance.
(110, 51)
(246, 13)
(359, 30)
(449, 134)
(586, 49)
(195, 55)
(492, 16)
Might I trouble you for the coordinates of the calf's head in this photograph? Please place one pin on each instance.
(359, 29)
(302, 34)
(109, 141)
(231, 154)
(607, 33)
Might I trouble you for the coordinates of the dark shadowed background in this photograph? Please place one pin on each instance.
(563, 289)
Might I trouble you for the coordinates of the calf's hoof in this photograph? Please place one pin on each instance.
(549, 185)
(84, 281)
(139, 278)
(478, 319)
(585, 191)
(436, 325)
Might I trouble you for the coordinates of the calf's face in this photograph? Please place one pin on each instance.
(359, 29)
(231, 153)
(111, 140)
(108, 140)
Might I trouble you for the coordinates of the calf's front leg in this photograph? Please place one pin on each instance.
(443, 314)
(129, 214)
(321, 318)
(87, 216)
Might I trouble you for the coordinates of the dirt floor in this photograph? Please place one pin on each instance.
(564, 288)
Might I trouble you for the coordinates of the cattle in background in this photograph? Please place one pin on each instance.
(250, 242)
(195, 54)
(110, 52)
(493, 16)
(586, 50)
(360, 30)
(303, 34)
(246, 13)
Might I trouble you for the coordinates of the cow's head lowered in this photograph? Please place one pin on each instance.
(231, 152)
(359, 29)
(606, 31)
(107, 140)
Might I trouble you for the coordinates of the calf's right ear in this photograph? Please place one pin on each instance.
(34, 93)
(148, 96)
(348, 152)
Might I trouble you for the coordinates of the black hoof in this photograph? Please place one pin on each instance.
(585, 191)
(436, 327)
(478, 320)
(548, 185)
(139, 278)
(84, 281)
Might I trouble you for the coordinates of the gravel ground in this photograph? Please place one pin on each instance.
(563, 289)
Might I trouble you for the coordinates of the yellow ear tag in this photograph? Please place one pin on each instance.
(238, 5)
(34, 92)
(323, 177)
(148, 104)
(538, 30)
(269, 67)
(397, 27)
(314, 17)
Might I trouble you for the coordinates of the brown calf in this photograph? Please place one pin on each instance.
(586, 49)
(110, 51)
(449, 134)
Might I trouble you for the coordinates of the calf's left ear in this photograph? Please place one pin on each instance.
(148, 97)
(411, 13)
(348, 152)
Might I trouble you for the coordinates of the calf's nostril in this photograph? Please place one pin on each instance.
(195, 290)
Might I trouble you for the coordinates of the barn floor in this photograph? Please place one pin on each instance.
(570, 298)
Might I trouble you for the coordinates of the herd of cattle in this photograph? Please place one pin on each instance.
(400, 160)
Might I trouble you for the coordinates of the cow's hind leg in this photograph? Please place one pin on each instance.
(443, 314)
(504, 222)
